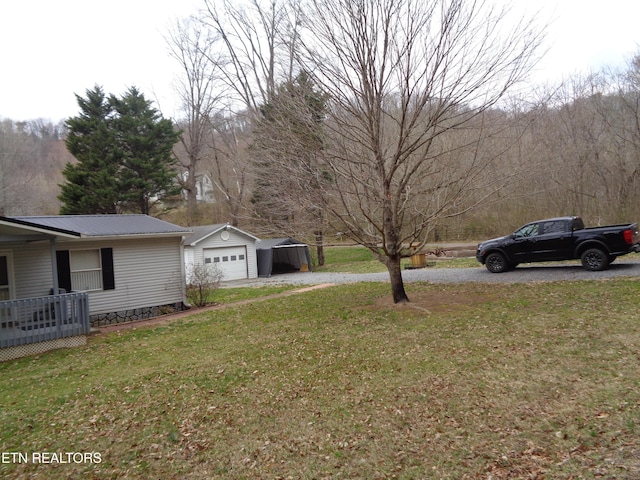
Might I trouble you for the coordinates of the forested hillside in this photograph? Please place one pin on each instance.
(32, 157)
(575, 150)
(281, 151)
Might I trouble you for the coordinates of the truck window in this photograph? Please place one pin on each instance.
(528, 230)
(577, 224)
(555, 226)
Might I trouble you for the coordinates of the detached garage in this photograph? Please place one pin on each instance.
(228, 248)
(282, 255)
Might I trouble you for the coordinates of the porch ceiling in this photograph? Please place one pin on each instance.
(11, 233)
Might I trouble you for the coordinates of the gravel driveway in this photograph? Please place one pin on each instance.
(629, 267)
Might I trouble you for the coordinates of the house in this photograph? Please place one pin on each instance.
(85, 270)
(204, 188)
(280, 255)
(224, 247)
(205, 192)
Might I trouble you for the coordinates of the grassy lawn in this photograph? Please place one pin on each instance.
(238, 294)
(467, 382)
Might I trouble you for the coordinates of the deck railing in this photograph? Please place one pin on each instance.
(31, 320)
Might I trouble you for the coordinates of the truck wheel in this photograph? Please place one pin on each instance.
(594, 260)
(496, 263)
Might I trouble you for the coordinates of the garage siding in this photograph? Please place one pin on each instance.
(236, 241)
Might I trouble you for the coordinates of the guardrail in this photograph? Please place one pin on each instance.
(31, 320)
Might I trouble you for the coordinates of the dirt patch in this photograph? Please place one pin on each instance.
(434, 301)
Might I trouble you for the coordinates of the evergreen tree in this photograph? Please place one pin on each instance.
(124, 152)
(91, 185)
(146, 143)
(288, 154)
(288, 147)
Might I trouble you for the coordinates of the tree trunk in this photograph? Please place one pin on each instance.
(192, 191)
(395, 275)
(319, 247)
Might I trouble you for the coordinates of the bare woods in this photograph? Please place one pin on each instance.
(387, 121)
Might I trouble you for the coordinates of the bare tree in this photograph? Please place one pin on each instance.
(15, 148)
(591, 134)
(402, 75)
(32, 155)
(200, 94)
(229, 164)
(572, 134)
(619, 110)
(258, 40)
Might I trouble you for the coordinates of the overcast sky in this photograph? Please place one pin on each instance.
(52, 50)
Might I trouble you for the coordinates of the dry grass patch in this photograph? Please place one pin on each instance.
(434, 300)
(517, 381)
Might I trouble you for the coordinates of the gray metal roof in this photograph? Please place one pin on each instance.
(101, 225)
(279, 242)
(203, 231)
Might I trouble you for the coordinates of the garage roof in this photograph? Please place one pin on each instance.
(279, 242)
(205, 231)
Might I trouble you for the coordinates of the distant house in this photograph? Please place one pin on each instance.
(224, 247)
(125, 267)
(204, 188)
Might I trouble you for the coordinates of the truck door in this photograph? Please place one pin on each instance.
(524, 243)
(553, 242)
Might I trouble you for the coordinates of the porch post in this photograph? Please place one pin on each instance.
(54, 264)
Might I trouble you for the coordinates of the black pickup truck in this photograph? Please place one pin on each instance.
(562, 238)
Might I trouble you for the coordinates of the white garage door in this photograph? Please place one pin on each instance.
(232, 261)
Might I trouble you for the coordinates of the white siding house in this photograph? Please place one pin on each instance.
(224, 247)
(130, 265)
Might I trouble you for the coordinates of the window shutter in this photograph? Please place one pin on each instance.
(64, 270)
(108, 279)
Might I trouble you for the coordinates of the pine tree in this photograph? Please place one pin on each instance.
(91, 185)
(288, 153)
(146, 141)
(124, 152)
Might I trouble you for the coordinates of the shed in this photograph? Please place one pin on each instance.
(282, 255)
(230, 249)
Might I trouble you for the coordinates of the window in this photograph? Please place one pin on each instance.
(207, 260)
(225, 259)
(216, 259)
(4, 278)
(241, 257)
(233, 258)
(86, 270)
(556, 226)
(530, 230)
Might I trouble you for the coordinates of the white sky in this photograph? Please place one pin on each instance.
(53, 49)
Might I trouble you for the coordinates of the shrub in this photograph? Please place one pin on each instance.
(204, 280)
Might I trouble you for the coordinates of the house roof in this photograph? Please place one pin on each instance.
(279, 242)
(203, 232)
(86, 226)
